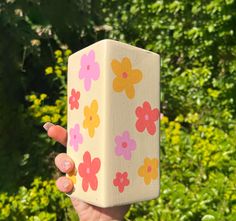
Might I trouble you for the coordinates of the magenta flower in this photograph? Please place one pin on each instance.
(89, 69)
(75, 137)
(124, 145)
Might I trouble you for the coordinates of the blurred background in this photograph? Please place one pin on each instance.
(197, 43)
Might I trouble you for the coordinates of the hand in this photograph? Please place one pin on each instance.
(65, 164)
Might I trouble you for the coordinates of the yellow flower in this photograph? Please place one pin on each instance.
(37, 102)
(126, 77)
(91, 120)
(59, 60)
(43, 96)
(164, 120)
(46, 118)
(58, 53)
(48, 70)
(68, 52)
(58, 72)
(148, 170)
(32, 97)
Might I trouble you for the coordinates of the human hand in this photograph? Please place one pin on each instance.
(65, 164)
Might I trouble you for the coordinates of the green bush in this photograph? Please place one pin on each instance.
(197, 176)
(41, 202)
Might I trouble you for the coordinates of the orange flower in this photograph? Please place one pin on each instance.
(92, 119)
(148, 170)
(126, 77)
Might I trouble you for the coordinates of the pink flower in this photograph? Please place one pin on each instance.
(121, 181)
(89, 69)
(75, 137)
(74, 99)
(87, 170)
(146, 118)
(124, 145)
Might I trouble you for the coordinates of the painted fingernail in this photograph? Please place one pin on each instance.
(47, 125)
(66, 184)
(66, 165)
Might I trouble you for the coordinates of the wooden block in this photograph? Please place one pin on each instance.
(113, 123)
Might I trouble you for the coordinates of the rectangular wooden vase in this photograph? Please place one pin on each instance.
(113, 123)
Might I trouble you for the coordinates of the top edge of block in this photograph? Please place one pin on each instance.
(111, 41)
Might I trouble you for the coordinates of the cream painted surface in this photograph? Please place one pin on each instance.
(117, 114)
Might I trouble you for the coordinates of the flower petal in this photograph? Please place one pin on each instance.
(116, 67)
(139, 112)
(119, 84)
(93, 182)
(84, 60)
(140, 125)
(132, 144)
(142, 171)
(116, 182)
(87, 83)
(95, 165)
(87, 158)
(95, 71)
(91, 131)
(126, 135)
(126, 65)
(85, 185)
(147, 179)
(127, 155)
(130, 92)
(94, 106)
(86, 123)
(121, 188)
(86, 111)
(154, 114)
(118, 140)
(151, 128)
(91, 56)
(135, 76)
(119, 150)
(146, 106)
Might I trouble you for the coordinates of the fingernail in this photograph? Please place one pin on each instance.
(47, 125)
(66, 165)
(66, 184)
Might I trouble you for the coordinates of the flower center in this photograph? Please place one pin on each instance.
(121, 180)
(90, 118)
(88, 170)
(88, 67)
(73, 99)
(149, 168)
(124, 144)
(146, 117)
(74, 136)
(124, 75)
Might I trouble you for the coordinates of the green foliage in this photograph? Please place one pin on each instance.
(197, 43)
(197, 176)
(29, 34)
(42, 201)
(56, 112)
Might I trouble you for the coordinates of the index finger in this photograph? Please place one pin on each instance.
(56, 132)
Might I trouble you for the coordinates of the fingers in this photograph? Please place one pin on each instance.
(64, 184)
(64, 163)
(56, 132)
